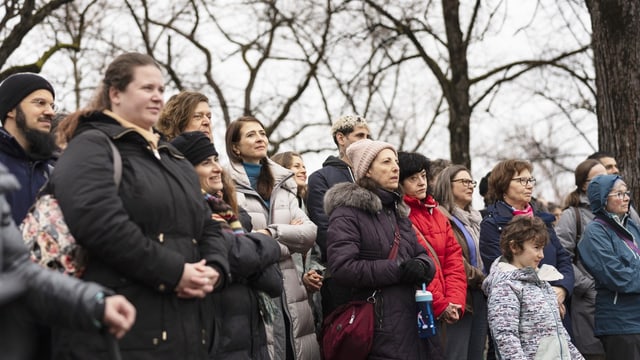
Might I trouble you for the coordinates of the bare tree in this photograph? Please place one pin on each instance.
(616, 58)
(21, 17)
(451, 71)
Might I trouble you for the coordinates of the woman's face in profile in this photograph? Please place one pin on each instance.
(384, 170)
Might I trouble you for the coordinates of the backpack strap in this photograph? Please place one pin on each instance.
(117, 158)
(576, 210)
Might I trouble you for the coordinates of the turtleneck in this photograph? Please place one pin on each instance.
(253, 172)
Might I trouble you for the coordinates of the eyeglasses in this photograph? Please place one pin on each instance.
(526, 181)
(466, 182)
(42, 103)
(201, 116)
(620, 194)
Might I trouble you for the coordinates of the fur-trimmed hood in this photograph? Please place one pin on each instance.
(354, 195)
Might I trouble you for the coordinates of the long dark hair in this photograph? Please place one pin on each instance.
(581, 175)
(266, 181)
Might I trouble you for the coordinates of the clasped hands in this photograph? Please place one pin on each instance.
(197, 280)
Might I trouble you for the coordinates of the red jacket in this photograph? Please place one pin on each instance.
(450, 282)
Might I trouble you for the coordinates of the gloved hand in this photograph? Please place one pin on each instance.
(415, 271)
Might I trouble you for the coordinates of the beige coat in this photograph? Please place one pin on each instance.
(277, 217)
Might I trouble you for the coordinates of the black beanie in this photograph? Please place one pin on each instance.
(195, 146)
(484, 184)
(17, 87)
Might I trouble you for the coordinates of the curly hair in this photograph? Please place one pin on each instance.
(520, 230)
(178, 111)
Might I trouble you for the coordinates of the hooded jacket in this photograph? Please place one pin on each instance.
(138, 237)
(523, 314)
(31, 174)
(283, 208)
(360, 236)
(238, 329)
(49, 297)
(613, 263)
(333, 171)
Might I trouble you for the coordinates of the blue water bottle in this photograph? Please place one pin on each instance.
(426, 323)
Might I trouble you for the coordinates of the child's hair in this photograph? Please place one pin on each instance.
(520, 230)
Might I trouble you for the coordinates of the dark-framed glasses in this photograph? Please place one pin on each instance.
(620, 194)
(525, 181)
(466, 182)
(42, 103)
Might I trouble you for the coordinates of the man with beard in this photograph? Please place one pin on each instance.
(26, 142)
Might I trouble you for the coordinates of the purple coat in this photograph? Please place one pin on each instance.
(359, 238)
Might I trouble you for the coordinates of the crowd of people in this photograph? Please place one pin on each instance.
(194, 257)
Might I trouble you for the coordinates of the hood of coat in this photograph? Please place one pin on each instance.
(335, 162)
(502, 270)
(598, 190)
(8, 181)
(355, 196)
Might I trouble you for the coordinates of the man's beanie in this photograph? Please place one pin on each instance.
(362, 153)
(195, 146)
(17, 87)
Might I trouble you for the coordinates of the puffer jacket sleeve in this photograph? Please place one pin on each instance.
(609, 260)
(294, 238)
(88, 196)
(343, 250)
(503, 314)
(455, 276)
(55, 298)
(250, 253)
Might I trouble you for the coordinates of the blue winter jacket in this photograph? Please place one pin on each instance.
(613, 264)
(31, 174)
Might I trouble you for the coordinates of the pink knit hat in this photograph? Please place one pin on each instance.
(362, 153)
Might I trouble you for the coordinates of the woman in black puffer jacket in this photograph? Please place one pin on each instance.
(238, 327)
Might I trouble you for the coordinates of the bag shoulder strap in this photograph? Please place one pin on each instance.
(578, 223)
(576, 210)
(117, 158)
(430, 248)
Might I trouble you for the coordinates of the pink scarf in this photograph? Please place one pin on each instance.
(528, 211)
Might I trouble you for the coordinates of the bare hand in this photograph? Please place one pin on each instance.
(119, 315)
(197, 280)
(452, 313)
(297, 222)
(312, 281)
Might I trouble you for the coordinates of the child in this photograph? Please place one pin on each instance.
(523, 311)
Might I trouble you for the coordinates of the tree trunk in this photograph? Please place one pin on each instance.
(616, 53)
(458, 94)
